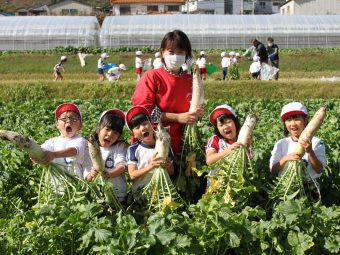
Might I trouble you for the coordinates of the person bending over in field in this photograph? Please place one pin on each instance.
(58, 68)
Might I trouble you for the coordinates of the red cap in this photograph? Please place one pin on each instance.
(138, 109)
(221, 110)
(67, 107)
(294, 108)
(114, 111)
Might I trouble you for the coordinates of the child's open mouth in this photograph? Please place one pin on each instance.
(69, 129)
(107, 140)
(146, 134)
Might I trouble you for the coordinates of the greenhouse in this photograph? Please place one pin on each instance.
(223, 31)
(47, 32)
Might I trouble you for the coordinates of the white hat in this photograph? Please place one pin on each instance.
(63, 58)
(122, 66)
(139, 52)
(104, 55)
(294, 108)
(203, 53)
(232, 53)
(223, 54)
(221, 110)
(237, 54)
(157, 55)
(256, 58)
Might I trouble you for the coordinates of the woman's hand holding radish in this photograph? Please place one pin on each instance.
(187, 117)
(93, 173)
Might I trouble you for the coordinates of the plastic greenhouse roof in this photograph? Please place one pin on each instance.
(195, 24)
(49, 25)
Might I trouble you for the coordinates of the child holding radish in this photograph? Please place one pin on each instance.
(58, 68)
(226, 128)
(141, 156)
(113, 151)
(295, 118)
(69, 149)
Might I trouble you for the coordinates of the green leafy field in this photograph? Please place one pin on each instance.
(28, 98)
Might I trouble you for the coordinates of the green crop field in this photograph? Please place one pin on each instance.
(33, 221)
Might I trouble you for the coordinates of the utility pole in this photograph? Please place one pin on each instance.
(242, 7)
(253, 11)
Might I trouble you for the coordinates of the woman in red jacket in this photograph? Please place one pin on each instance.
(167, 91)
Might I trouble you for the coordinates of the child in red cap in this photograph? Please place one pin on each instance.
(295, 118)
(69, 149)
(113, 151)
(226, 129)
(141, 156)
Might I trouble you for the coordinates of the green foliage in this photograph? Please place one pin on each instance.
(80, 226)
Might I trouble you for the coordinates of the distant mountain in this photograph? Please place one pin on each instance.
(12, 5)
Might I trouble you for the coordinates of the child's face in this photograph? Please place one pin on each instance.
(227, 129)
(107, 137)
(144, 133)
(295, 125)
(68, 124)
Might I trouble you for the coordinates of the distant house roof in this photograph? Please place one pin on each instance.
(148, 2)
(65, 1)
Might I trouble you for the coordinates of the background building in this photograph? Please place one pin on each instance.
(310, 7)
(135, 7)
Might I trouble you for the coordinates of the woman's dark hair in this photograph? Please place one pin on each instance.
(285, 130)
(222, 118)
(137, 120)
(177, 39)
(112, 121)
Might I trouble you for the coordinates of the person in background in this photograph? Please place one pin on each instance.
(201, 62)
(224, 64)
(157, 62)
(255, 68)
(113, 73)
(113, 151)
(261, 51)
(273, 55)
(139, 64)
(250, 53)
(58, 68)
(236, 58)
(101, 63)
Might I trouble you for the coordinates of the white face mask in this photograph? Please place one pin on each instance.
(174, 62)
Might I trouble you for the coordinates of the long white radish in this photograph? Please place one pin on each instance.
(197, 97)
(309, 131)
(162, 142)
(95, 154)
(23, 142)
(247, 129)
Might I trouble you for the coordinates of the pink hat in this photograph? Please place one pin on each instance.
(114, 111)
(138, 109)
(221, 110)
(67, 107)
(293, 108)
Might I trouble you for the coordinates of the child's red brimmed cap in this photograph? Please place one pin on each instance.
(294, 108)
(67, 107)
(118, 112)
(134, 111)
(221, 110)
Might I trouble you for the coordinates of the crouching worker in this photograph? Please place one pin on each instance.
(68, 149)
(141, 156)
(113, 73)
